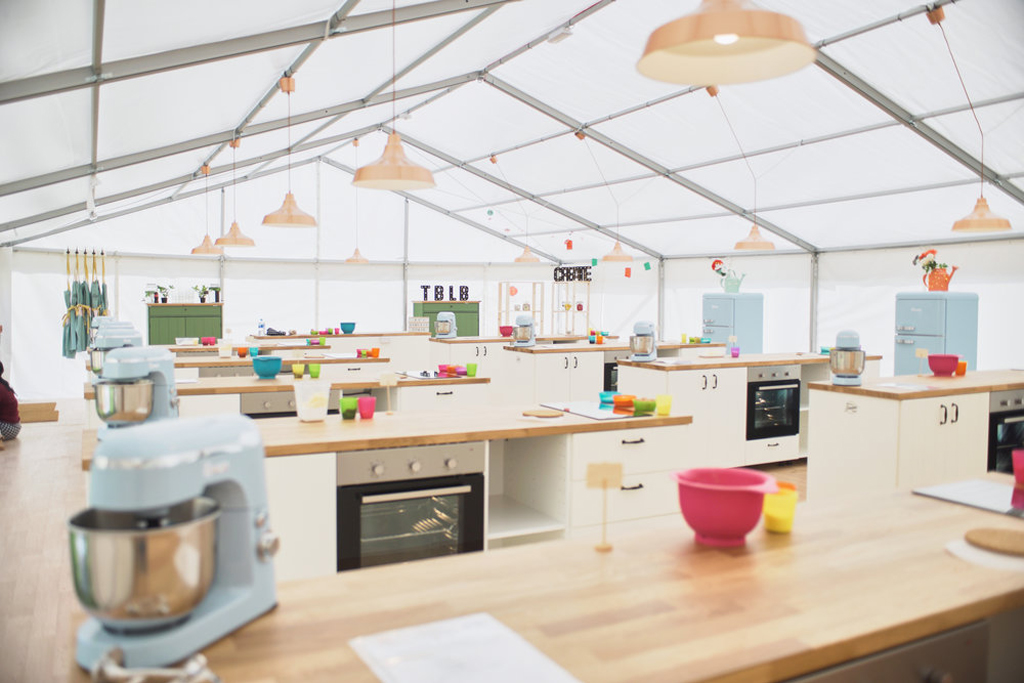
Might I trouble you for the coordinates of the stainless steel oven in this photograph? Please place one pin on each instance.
(1005, 428)
(402, 504)
(773, 401)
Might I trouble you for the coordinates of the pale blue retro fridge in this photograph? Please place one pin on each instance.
(942, 322)
(738, 315)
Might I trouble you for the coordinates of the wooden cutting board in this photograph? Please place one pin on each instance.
(1005, 541)
(543, 412)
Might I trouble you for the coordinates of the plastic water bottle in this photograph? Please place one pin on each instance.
(261, 329)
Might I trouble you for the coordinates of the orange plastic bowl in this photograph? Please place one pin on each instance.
(722, 505)
(623, 400)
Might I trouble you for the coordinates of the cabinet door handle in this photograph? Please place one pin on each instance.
(956, 413)
(705, 382)
(773, 445)
(634, 441)
(478, 351)
(353, 369)
(632, 488)
(945, 415)
(716, 382)
(575, 362)
(444, 393)
(485, 350)
(567, 362)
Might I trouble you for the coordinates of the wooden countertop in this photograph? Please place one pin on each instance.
(852, 579)
(233, 362)
(211, 303)
(581, 348)
(354, 334)
(199, 348)
(289, 436)
(208, 386)
(928, 386)
(486, 340)
(745, 360)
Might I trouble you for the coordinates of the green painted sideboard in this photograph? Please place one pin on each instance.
(168, 321)
(467, 314)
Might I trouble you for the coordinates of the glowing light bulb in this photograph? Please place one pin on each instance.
(726, 38)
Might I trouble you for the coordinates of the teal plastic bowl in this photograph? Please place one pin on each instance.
(347, 328)
(267, 367)
(608, 396)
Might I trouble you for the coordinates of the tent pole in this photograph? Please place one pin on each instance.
(661, 298)
(814, 303)
(316, 260)
(405, 269)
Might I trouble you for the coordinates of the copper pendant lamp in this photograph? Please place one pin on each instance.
(981, 219)
(754, 241)
(393, 170)
(617, 254)
(726, 41)
(289, 215)
(206, 247)
(356, 256)
(235, 236)
(527, 256)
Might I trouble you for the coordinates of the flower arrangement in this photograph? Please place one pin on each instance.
(928, 262)
(719, 267)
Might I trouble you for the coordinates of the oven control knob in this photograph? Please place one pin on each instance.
(415, 466)
(377, 469)
(451, 463)
(268, 545)
(266, 404)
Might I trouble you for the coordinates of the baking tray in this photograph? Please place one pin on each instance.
(977, 493)
(591, 409)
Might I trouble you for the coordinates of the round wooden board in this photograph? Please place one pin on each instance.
(1005, 541)
(543, 412)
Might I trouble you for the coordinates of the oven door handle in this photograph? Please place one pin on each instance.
(1013, 420)
(413, 495)
(769, 387)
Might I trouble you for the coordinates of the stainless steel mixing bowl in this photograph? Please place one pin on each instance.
(96, 357)
(443, 327)
(521, 333)
(641, 344)
(846, 362)
(120, 403)
(133, 572)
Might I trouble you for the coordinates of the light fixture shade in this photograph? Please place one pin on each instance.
(981, 220)
(235, 238)
(207, 247)
(726, 41)
(393, 171)
(754, 241)
(617, 254)
(289, 216)
(356, 257)
(527, 256)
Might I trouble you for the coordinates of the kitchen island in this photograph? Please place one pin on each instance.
(852, 580)
(901, 432)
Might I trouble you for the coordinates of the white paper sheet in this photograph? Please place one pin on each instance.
(985, 558)
(469, 649)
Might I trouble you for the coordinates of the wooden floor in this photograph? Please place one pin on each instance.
(41, 486)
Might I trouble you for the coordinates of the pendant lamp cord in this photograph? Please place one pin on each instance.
(742, 153)
(234, 192)
(615, 200)
(969, 104)
(394, 62)
(355, 144)
(206, 194)
(289, 141)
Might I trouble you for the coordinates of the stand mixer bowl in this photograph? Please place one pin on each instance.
(641, 345)
(442, 327)
(135, 572)
(846, 362)
(521, 333)
(122, 403)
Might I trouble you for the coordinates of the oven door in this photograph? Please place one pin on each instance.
(773, 409)
(1005, 434)
(406, 520)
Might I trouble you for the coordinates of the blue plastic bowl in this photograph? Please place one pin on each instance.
(606, 396)
(348, 328)
(267, 367)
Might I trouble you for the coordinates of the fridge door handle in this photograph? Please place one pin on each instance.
(904, 341)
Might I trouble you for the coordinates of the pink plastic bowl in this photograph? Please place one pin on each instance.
(722, 505)
(943, 364)
(506, 330)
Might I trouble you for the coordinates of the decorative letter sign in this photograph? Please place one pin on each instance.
(439, 292)
(572, 273)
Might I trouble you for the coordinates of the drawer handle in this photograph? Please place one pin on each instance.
(628, 442)
(353, 369)
(631, 488)
(773, 445)
(444, 393)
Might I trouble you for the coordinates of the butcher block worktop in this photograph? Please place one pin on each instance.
(745, 360)
(264, 348)
(485, 340)
(312, 357)
(354, 334)
(929, 386)
(853, 578)
(578, 348)
(289, 436)
(208, 386)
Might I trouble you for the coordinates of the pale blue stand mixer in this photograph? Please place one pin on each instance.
(445, 326)
(108, 334)
(643, 343)
(176, 550)
(524, 333)
(136, 385)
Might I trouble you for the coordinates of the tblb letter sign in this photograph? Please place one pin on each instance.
(570, 273)
(439, 292)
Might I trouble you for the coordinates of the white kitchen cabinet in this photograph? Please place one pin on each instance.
(567, 376)
(442, 397)
(772, 449)
(302, 497)
(942, 439)
(717, 400)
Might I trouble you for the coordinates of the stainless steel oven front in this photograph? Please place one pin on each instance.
(773, 401)
(401, 504)
(1005, 428)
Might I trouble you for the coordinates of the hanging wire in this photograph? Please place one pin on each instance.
(608, 187)
(234, 175)
(742, 153)
(289, 93)
(394, 60)
(969, 104)
(355, 145)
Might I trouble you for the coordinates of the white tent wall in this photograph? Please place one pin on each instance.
(857, 290)
(785, 281)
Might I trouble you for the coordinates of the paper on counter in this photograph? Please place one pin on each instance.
(469, 649)
(192, 380)
(985, 558)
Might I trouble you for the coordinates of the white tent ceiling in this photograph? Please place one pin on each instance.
(873, 145)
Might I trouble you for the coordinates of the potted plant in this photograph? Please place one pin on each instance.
(152, 296)
(164, 291)
(202, 291)
(216, 293)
